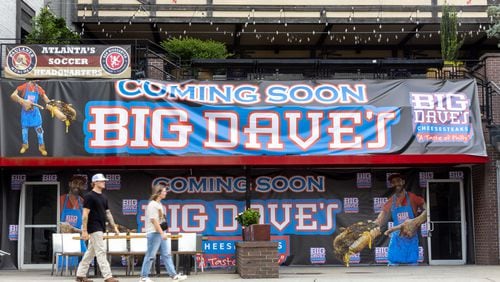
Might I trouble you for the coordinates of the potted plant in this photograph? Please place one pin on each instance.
(189, 48)
(450, 43)
(251, 230)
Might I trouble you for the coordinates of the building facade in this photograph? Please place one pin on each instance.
(303, 193)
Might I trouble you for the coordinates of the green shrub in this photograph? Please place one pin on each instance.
(50, 29)
(450, 44)
(192, 48)
(248, 217)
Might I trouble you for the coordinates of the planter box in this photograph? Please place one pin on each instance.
(258, 259)
(257, 232)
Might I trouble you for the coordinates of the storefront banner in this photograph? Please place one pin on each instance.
(267, 118)
(305, 208)
(61, 61)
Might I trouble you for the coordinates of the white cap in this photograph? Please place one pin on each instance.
(99, 177)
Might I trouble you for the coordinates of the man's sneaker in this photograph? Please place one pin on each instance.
(83, 279)
(111, 279)
(145, 279)
(179, 277)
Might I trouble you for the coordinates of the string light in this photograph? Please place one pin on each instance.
(353, 33)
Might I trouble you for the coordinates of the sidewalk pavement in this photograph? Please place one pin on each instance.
(461, 273)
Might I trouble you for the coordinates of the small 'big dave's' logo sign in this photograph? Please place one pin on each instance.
(13, 232)
(378, 204)
(318, 255)
(351, 205)
(129, 206)
(114, 60)
(17, 181)
(381, 254)
(21, 60)
(114, 182)
(364, 180)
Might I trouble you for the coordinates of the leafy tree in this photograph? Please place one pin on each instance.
(449, 34)
(494, 14)
(192, 48)
(49, 29)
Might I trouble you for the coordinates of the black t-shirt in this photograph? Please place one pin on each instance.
(97, 204)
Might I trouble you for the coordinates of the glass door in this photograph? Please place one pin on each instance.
(446, 222)
(37, 221)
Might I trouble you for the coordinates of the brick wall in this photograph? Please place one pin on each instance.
(155, 65)
(485, 182)
(257, 259)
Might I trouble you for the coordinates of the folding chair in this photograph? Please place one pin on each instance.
(70, 247)
(56, 249)
(187, 245)
(118, 247)
(138, 246)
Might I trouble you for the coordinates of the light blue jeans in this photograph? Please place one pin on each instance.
(155, 242)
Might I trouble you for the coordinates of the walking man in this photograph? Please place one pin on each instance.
(95, 214)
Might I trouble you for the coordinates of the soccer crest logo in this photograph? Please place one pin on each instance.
(114, 60)
(21, 60)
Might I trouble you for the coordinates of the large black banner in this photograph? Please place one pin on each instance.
(306, 208)
(300, 118)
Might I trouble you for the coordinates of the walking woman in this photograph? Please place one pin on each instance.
(157, 238)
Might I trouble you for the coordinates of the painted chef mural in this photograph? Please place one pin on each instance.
(318, 216)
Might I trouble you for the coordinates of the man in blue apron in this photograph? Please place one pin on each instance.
(403, 207)
(71, 205)
(27, 95)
